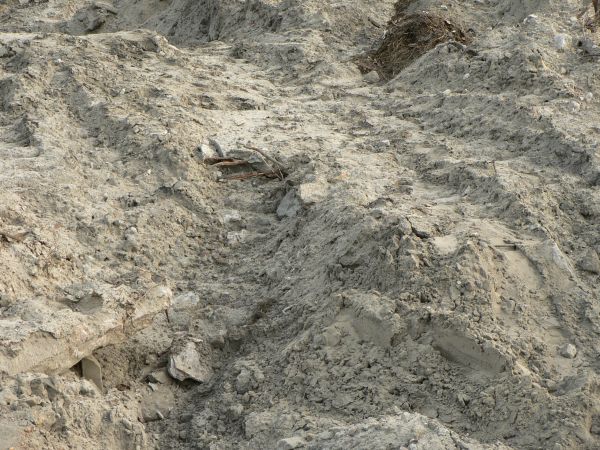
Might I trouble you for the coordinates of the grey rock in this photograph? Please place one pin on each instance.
(561, 42)
(206, 151)
(187, 364)
(568, 351)
(289, 206)
(290, 443)
(243, 382)
(91, 370)
(589, 47)
(590, 262)
(372, 77)
(157, 405)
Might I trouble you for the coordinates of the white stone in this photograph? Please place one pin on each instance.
(561, 42)
(568, 351)
(372, 77)
(290, 443)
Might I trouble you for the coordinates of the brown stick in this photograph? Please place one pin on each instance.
(235, 162)
(244, 176)
(280, 167)
(217, 159)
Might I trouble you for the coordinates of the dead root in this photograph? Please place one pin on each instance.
(244, 169)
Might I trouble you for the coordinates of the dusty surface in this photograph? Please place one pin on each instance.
(425, 276)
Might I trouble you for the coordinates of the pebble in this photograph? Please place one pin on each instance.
(372, 77)
(243, 382)
(561, 42)
(575, 106)
(589, 47)
(590, 262)
(187, 364)
(232, 217)
(568, 351)
(289, 206)
(530, 19)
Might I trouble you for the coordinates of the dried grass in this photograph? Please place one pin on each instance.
(408, 37)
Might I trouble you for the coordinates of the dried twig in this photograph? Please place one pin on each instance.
(244, 176)
(408, 36)
(280, 168)
(235, 162)
(216, 159)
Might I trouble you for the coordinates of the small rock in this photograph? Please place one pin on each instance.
(232, 217)
(290, 443)
(372, 77)
(187, 364)
(421, 227)
(91, 369)
(568, 351)
(4, 51)
(216, 147)
(289, 206)
(127, 424)
(311, 193)
(551, 385)
(590, 262)
(86, 388)
(561, 42)
(575, 107)
(243, 382)
(531, 19)
(206, 152)
(157, 405)
(589, 47)
(236, 410)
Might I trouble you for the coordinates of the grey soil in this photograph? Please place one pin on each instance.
(424, 274)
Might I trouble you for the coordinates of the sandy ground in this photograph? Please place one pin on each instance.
(420, 271)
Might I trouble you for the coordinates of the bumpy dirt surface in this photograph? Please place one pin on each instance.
(420, 271)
